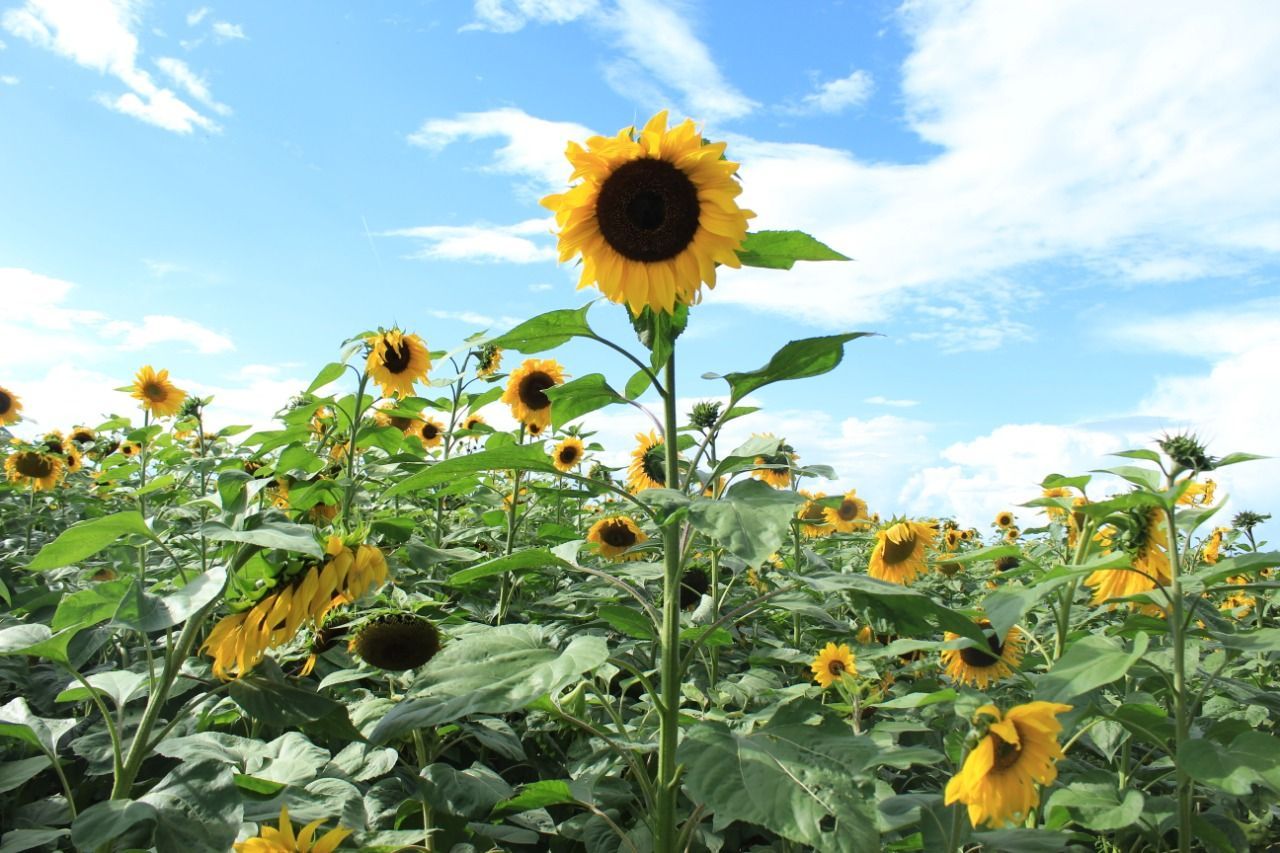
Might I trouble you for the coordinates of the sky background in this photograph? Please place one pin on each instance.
(1065, 217)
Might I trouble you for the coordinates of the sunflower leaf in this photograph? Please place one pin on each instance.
(547, 331)
(580, 396)
(796, 360)
(527, 457)
(87, 538)
(1089, 663)
(779, 250)
(751, 519)
(327, 374)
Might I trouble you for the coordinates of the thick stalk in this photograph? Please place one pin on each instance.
(420, 750)
(357, 415)
(1182, 721)
(669, 721)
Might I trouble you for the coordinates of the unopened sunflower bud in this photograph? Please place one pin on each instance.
(1187, 453)
(705, 414)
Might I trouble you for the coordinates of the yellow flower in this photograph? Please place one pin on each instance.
(473, 422)
(397, 360)
(951, 539)
(10, 407)
(40, 471)
(850, 515)
(832, 664)
(1149, 567)
(1198, 494)
(129, 448)
(159, 396)
(396, 641)
(814, 514)
(74, 460)
(899, 552)
(526, 392)
(778, 472)
(864, 636)
(489, 360)
(383, 416)
(324, 419)
(999, 776)
(615, 536)
(653, 214)
(282, 840)
(1056, 513)
(982, 667)
(648, 468)
(1213, 547)
(568, 453)
(82, 435)
(430, 432)
(1004, 518)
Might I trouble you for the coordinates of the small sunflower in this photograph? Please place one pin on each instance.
(430, 432)
(654, 214)
(648, 468)
(526, 392)
(615, 536)
(850, 515)
(83, 435)
(129, 449)
(384, 415)
(75, 460)
(899, 552)
(473, 422)
(10, 407)
(568, 453)
(777, 472)
(1012, 535)
(396, 641)
(323, 419)
(982, 667)
(814, 516)
(999, 776)
(951, 539)
(488, 360)
(833, 664)
(397, 360)
(1004, 564)
(158, 395)
(1056, 513)
(1004, 518)
(1145, 537)
(283, 840)
(40, 471)
(54, 442)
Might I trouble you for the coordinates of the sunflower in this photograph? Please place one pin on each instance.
(778, 470)
(323, 419)
(982, 667)
(999, 776)
(40, 471)
(850, 515)
(10, 407)
(653, 215)
(526, 392)
(951, 539)
(1056, 513)
(833, 664)
(1145, 537)
(1004, 518)
(568, 454)
(282, 840)
(648, 468)
(159, 396)
(488, 360)
(473, 422)
(430, 432)
(128, 448)
(83, 435)
(397, 360)
(899, 552)
(75, 461)
(1004, 564)
(1213, 546)
(1012, 534)
(383, 416)
(615, 536)
(396, 641)
(1198, 494)
(814, 516)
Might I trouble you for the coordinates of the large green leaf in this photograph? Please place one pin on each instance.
(35, 639)
(15, 773)
(470, 793)
(90, 606)
(546, 331)
(156, 612)
(88, 538)
(779, 250)
(281, 535)
(537, 795)
(524, 457)
(580, 396)
(796, 360)
(105, 822)
(17, 721)
(1253, 758)
(120, 686)
(198, 808)
(532, 558)
(1089, 663)
(751, 519)
(912, 613)
(494, 671)
(1098, 805)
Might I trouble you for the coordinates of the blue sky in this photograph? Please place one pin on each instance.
(1065, 219)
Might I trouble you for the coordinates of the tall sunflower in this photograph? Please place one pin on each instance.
(814, 515)
(899, 552)
(40, 471)
(833, 664)
(777, 470)
(282, 840)
(984, 666)
(1213, 545)
(653, 215)
(10, 407)
(396, 360)
(615, 536)
(129, 448)
(384, 415)
(999, 776)
(648, 468)
(158, 395)
(75, 460)
(850, 515)
(568, 454)
(1142, 534)
(526, 391)
(1056, 513)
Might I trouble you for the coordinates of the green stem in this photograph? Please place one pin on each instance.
(669, 721)
(1182, 722)
(356, 415)
(420, 749)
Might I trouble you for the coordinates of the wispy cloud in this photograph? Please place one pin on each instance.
(193, 84)
(508, 243)
(509, 16)
(885, 401)
(195, 16)
(226, 31)
(9, 80)
(163, 328)
(835, 96)
(476, 319)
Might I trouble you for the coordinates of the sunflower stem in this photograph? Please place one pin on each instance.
(420, 749)
(356, 414)
(1182, 722)
(669, 721)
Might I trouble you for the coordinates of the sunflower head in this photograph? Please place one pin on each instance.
(430, 432)
(1187, 452)
(157, 394)
(526, 392)
(654, 213)
(568, 453)
(814, 516)
(615, 536)
(10, 407)
(473, 422)
(648, 468)
(1004, 564)
(396, 641)
(396, 360)
(1004, 518)
(283, 840)
(83, 435)
(775, 468)
(899, 553)
(982, 666)
(41, 471)
(850, 515)
(833, 664)
(488, 360)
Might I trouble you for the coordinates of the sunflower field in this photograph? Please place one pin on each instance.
(384, 624)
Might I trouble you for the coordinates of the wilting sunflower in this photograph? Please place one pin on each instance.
(832, 664)
(526, 392)
(1004, 518)
(653, 215)
(397, 360)
(815, 516)
(999, 776)
(1198, 494)
(430, 432)
(282, 840)
(40, 471)
(615, 536)
(473, 422)
(488, 360)
(240, 640)
(568, 453)
(850, 515)
(899, 552)
(1213, 545)
(158, 395)
(10, 407)
(1144, 537)
(951, 539)
(396, 641)
(984, 666)
(82, 435)
(777, 472)
(648, 468)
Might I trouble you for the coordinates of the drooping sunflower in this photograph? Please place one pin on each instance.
(1213, 545)
(568, 453)
(615, 536)
(1198, 494)
(430, 432)
(526, 392)
(899, 552)
(82, 435)
(158, 395)
(282, 840)
(999, 776)
(396, 641)
(653, 215)
(1144, 537)
(777, 472)
(10, 407)
(648, 468)
(129, 448)
(396, 360)
(1004, 518)
(54, 442)
(814, 516)
(40, 471)
(832, 664)
(850, 515)
(984, 666)
(488, 360)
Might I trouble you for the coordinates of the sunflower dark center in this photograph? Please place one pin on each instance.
(648, 210)
(899, 552)
(813, 512)
(396, 358)
(398, 642)
(568, 455)
(400, 423)
(1006, 753)
(154, 392)
(81, 436)
(848, 511)
(533, 390)
(54, 445)
(617, 534)
(430, 431)
(835, 667)
(6, 402)
(974, 656)
(34, 465)
(655, 463)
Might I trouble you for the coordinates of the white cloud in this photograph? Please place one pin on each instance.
(508, 16)
(885, 401)
(508, 243)
(541, 287)
(190, 82)
(1244, 328)
(225, 31)
(160, 269)
(195, 16)
(836, 96)
(100, 35)
(9, 80)
(162, 328)
(473, 318)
